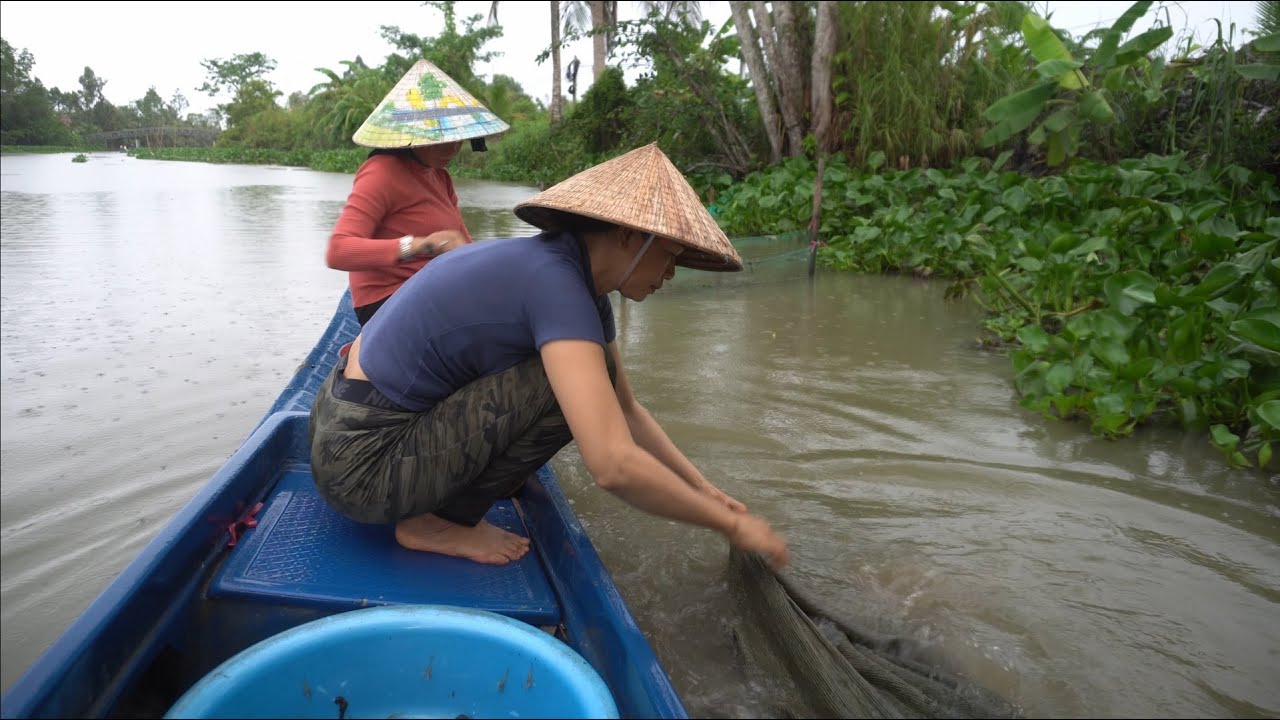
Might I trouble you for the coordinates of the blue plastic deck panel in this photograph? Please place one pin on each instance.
(304, 553)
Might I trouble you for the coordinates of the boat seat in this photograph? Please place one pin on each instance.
(303, 553)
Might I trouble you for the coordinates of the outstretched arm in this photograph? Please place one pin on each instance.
(649, 435)
(580, 380)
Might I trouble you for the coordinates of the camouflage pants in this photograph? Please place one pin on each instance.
(455, 460)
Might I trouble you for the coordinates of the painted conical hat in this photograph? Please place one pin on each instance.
(641, 190)
(426, 108)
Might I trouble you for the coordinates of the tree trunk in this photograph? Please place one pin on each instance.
(611, 23)
(759, 77)
(824, 47)
(790, 75)
(557, 101)
(598, 38)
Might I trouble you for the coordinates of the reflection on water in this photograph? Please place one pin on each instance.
(151, 312)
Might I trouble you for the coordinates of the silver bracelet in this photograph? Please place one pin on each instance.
(406, 247)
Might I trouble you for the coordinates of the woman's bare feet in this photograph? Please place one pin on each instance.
(484, 543)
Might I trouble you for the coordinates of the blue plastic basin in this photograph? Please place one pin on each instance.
(403, 661)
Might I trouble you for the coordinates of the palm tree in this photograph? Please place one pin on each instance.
(350, 97)
(600, 18)
(1268, 16)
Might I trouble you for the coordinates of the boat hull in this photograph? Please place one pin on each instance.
(172, 615)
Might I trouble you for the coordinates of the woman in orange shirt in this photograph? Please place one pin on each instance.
(403, 209)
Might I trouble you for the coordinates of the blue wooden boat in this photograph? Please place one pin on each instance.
(257, 552)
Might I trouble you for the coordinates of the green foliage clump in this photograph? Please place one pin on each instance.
(531, 153)
(27, 116)
(603, 117)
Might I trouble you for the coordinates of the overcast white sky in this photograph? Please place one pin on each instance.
(136, 45)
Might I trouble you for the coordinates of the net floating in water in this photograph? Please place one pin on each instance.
(839, 670)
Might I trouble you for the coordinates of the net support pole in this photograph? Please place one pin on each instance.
(815, 219)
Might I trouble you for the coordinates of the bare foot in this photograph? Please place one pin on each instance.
(484, 543)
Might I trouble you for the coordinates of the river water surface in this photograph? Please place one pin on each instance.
(152, 311)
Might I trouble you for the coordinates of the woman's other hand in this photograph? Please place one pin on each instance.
(439, 242)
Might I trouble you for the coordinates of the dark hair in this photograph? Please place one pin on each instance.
(398, 152)
(581, 224)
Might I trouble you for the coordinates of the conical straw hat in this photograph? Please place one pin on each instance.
(426, 108)
(641, 190)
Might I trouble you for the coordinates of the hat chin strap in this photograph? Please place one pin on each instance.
(636, 260)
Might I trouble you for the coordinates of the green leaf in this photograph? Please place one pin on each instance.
(1059, 119)
(1269, 411)
(1112, 352)
(1059, 377)
(1166, 297)
(1128, 291)
(1234, 369)
(1014, 113)
(1016, 199)
(1212, 247)
(875, 160)
(1218, 281)
(1064, 243)
(1184, 338)
(1138, 369)
(1260, 332)
(1105, 324)
(1095, 107)
(1111, 404)
(1092, 245)
(1045, 46)
(1205, 210)
(1138, 47)
(1264, 455)
(1268, 43)
(1111, 39)
(1055, 69)
(1033, 338)
(1223, 307)
(1224, 439)
(1258, 71)
(1219, 226)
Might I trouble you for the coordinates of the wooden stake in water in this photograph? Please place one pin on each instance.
(815, 220)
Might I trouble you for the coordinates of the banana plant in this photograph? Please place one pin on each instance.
(1069, 92)
(1266, 70)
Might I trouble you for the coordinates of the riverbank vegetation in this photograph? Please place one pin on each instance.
(1109, 200)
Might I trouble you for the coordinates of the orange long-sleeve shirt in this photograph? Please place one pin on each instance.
(392, 196)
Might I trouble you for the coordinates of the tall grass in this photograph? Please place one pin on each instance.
(912, 79)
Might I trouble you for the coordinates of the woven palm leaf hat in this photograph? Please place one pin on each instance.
(643, 191)
(426, 108)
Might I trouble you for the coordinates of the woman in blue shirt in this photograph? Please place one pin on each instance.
(487, 362)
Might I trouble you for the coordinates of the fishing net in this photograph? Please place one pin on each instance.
(765, 259)
(834, 668)
(762, 251)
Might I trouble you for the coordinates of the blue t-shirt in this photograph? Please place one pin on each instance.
(479, 310)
